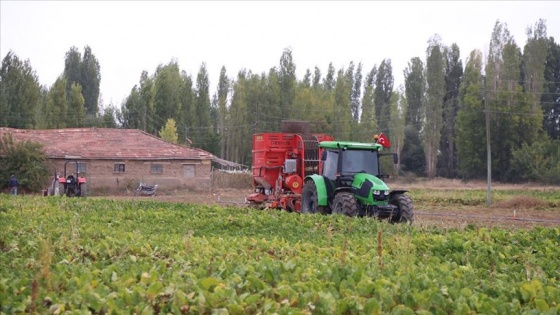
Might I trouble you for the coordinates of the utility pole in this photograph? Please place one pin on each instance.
(488, 151)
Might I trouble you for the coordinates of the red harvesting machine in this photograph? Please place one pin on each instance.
(280, 163)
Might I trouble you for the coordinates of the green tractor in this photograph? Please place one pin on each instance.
(349, 182)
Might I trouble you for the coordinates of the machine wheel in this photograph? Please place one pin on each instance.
(309, 199)
(406, 210)
(83, 190)
(345, 203)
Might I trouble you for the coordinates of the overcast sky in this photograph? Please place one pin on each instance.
(131, 36)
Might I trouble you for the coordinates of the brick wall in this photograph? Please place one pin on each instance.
(169, 174)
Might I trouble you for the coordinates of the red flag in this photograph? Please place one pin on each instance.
(384, 141)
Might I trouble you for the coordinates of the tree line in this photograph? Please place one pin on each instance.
(436, 122)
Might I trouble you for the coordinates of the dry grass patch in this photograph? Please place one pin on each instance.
(521, 202)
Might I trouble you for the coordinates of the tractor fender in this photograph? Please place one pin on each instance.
(322, 195)
(396, 192)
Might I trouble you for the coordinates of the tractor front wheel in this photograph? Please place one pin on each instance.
(310, 199)
(345, 203)
(406, 211)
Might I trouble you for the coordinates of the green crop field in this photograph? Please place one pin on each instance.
(99, 256)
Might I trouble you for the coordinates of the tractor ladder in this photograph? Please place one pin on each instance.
(311, 154)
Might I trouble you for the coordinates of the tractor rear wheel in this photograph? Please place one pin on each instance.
(310, 199)
(406, 210)
(345, 203)
(83, 190)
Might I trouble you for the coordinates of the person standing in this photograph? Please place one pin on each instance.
(13, 185)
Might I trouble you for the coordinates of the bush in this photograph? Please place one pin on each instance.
(539, 161)
(26, 160)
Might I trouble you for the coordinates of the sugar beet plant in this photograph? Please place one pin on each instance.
(76, 256)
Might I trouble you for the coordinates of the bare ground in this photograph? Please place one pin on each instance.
(520, 212)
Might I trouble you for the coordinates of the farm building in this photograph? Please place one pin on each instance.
(120, 158)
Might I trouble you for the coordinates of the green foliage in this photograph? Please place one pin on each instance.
(167, 93)
(550, 99)
(109, 117)
(287, 81)
(20, 93)
(384, 82)
(104, 256)
(470, 126)
(538, 161)
(435, 92)
(26, 160)
(205, 137)
(453, 76)
(76, 112)
(342, 113)
(169, 131)
(56, 106)
(86, 72)
(413, 158)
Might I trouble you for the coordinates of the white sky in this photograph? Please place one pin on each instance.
(131, 36)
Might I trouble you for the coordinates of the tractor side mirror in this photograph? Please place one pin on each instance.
(395, 158)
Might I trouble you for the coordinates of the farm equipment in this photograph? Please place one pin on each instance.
(72, 184)
(314, 173)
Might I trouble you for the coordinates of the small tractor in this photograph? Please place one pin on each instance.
(314, 173)
(72, 184)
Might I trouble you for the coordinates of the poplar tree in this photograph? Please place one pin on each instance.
(167, 94)
(342, 111)
(85, 71)
(20, 92)
(272, 100)
(412, 157)
(453, 77)
(435, 79)
(185, 122)
(356, 94)
(287, 81)
(398, 117)
(368, 122)
(204, 136)
(382, 97)
(316, 78)
(221, 99)
(329, 80)
(56, 111)
(470, 129)
(76, 112)
(550, 99)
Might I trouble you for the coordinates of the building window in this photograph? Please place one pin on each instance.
(156, 168)
(119, 168)
(82, 168)
(189, 170)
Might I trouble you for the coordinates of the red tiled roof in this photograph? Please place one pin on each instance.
(105, 143)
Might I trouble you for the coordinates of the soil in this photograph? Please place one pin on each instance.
(521, 212)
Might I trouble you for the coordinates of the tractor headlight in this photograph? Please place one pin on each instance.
(376, 192)
(386, 192)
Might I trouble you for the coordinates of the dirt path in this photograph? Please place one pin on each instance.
(504, 215)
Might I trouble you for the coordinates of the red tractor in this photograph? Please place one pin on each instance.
(72, 184)
(313, 173)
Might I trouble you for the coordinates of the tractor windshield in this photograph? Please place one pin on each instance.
(353, 161)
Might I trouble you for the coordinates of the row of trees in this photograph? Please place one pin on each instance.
(436, 121)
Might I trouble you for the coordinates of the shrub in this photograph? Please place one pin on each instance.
(26, 160)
